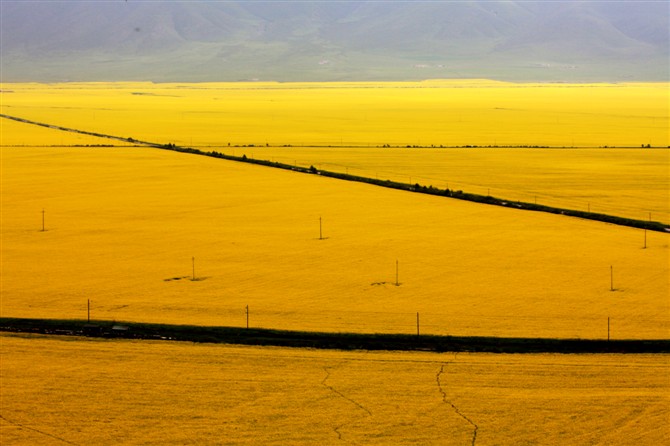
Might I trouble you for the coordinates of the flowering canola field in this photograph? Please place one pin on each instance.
(163, 393)
(438, 112)
(359, 118)
(157, 236)
(628, 183)
(129, 228)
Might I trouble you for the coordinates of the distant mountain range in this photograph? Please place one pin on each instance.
(334, 40)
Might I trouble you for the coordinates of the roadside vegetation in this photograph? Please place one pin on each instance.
(328, 341)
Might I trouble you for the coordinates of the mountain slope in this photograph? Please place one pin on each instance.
(325, 40)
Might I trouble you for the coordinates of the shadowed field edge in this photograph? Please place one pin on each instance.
(321, 340)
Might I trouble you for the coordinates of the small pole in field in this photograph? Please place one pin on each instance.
(193, 265)
(89, 310)
(43, 220)
(247, 312)
(611, 278)
(320, 230)
(396, 274)
(417, 323)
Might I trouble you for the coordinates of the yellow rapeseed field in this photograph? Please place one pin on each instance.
(630, 183)
(446, 112)
(126, 226)
(367, 115)
(89, 391)
(158, 236)
(20, 134)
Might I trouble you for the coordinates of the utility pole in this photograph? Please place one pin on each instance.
(396, 274)
(417, 323)
(320, 230)
(193, 265)
(43, 220)
(611, 278)
(247, 312)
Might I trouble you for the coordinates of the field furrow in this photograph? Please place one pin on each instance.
(441, 384)
(156, 392)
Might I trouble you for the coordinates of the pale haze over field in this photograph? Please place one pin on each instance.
(575, 41)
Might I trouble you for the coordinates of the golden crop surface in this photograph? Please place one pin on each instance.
(365, 113)
(623, 182)
(128, 228)
(83, 391)
(359, 118)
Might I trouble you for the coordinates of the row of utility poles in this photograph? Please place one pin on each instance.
(321, 237)
(397, 282)
(246, 312)
(397, 277)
